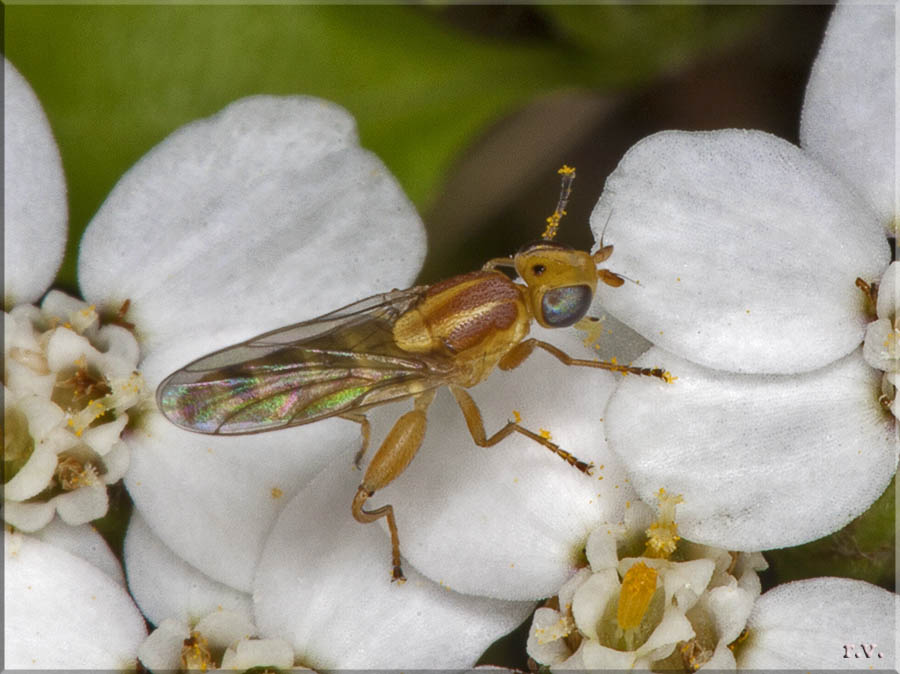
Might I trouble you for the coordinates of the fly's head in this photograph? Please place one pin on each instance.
(561, 281)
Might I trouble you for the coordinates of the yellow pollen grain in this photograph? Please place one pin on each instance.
(277, 493)
(544, 433)
(638, 587)
(517, 416)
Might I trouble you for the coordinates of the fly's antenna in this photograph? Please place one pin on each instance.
(568, 177)
(605, 225)
(603, 252)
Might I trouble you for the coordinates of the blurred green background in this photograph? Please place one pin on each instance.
(472, 107)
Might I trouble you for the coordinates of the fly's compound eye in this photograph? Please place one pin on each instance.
(562, 307)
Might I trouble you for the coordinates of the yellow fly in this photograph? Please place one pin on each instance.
(401, 344)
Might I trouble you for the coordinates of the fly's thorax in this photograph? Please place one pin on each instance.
(465, 313)
(560, 282)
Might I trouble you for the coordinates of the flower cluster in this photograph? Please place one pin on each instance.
(764, 280)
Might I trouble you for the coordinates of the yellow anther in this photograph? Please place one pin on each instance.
(638, 587)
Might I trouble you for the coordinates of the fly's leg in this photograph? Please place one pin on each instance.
(472, 415)
(391, 459)
(515, 356)
(365, 430)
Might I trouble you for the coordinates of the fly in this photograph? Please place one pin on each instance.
(401, 344)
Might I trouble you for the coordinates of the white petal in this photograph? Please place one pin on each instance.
(591, 600)
(116, 462)
(323, 583)
(83, 504)
(225, 628)
(761, 461)
(597, 657)
(674, 627)
(102, 438)
(849, 114)
(28, 516)
(570, 587)
(165, 586)
(257, 653)
(730, 606)
(213, 499)
(161, 651)
(34, 194)
(822, 623)
(515, 511)
(34, 476)
(601, 549)
(545, 642)
(63, 613)
(882, 346)
(83, 541)
(742, 250)
(264, 214)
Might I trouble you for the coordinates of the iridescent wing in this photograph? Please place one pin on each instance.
(340, 362)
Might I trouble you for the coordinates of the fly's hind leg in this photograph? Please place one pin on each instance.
(364, 429)
(391, 459)
(472, 415)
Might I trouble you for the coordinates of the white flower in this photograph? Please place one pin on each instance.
(747, 250)
(66, 604)
(648, 611)
(68, 380)
(218, 641)
(704, 611)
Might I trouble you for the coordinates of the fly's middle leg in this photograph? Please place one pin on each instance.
(472, 415)
(364, 429)
(391, 459)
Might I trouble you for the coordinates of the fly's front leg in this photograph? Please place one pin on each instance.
(515, 356)
(391, 459)
(472, 415)
(364, 429)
